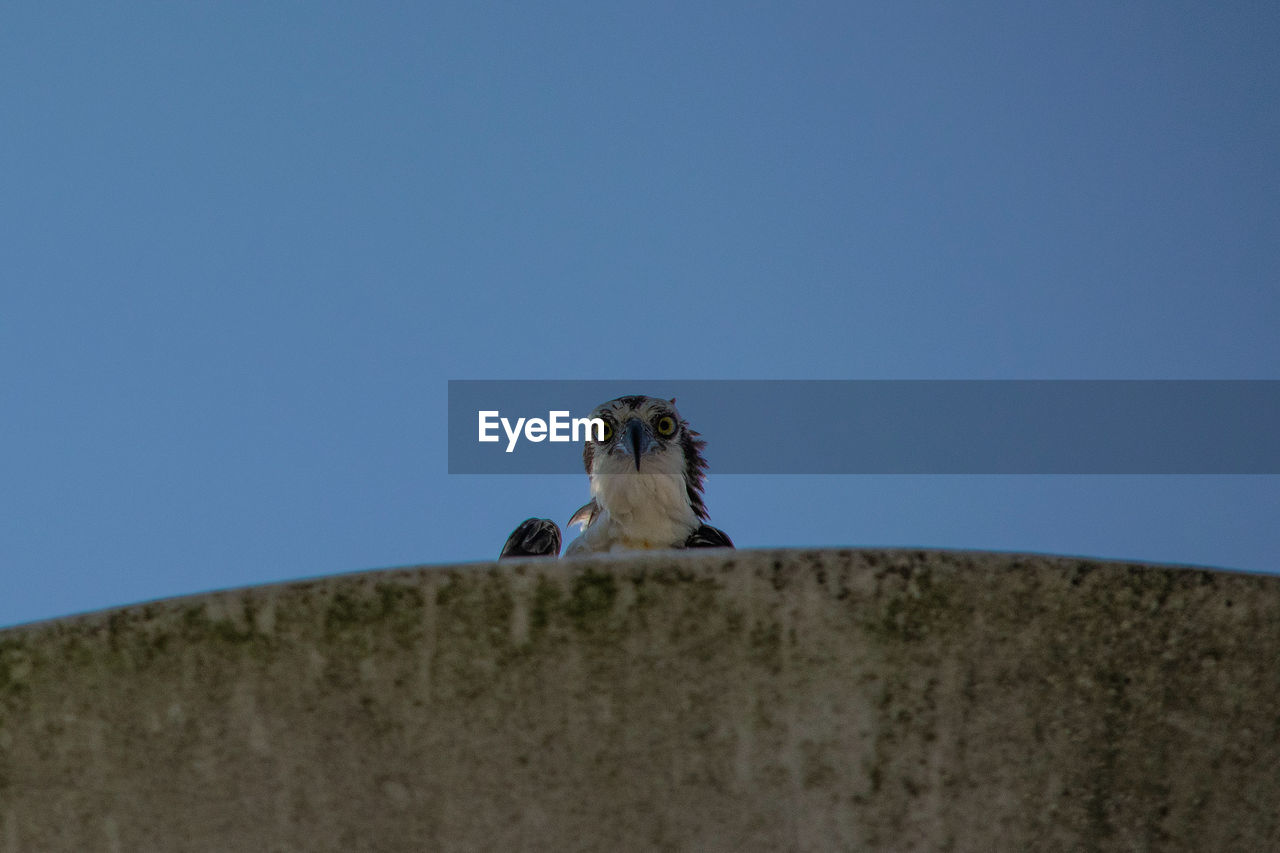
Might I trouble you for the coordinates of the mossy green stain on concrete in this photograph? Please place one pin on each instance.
(918, 604)
(725, 700)
(591, 600)
(547, 599)
(765, 639)
(394, 609)
(15, 663)
(199, 626)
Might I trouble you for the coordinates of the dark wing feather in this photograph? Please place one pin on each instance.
(707, 536)
(535, 537)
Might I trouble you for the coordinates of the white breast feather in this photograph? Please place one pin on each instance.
(637, 510)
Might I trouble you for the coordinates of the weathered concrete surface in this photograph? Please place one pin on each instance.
(768, 700)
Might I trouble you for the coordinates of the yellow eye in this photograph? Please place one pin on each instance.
(666, 426)
(606, 434)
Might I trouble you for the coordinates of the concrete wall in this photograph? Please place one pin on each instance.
(751, 700)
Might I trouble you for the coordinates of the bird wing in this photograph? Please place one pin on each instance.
(535, 537)
(707, 536)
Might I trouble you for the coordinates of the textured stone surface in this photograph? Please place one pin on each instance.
(750, 700)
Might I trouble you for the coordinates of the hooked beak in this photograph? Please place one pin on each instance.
(638, 439)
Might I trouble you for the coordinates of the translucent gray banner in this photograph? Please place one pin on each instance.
(895, 426)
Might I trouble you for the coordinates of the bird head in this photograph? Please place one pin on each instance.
(646, 435)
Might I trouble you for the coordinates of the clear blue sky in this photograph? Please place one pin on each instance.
(244, 246)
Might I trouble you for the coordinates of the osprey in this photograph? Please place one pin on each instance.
(646, 474)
